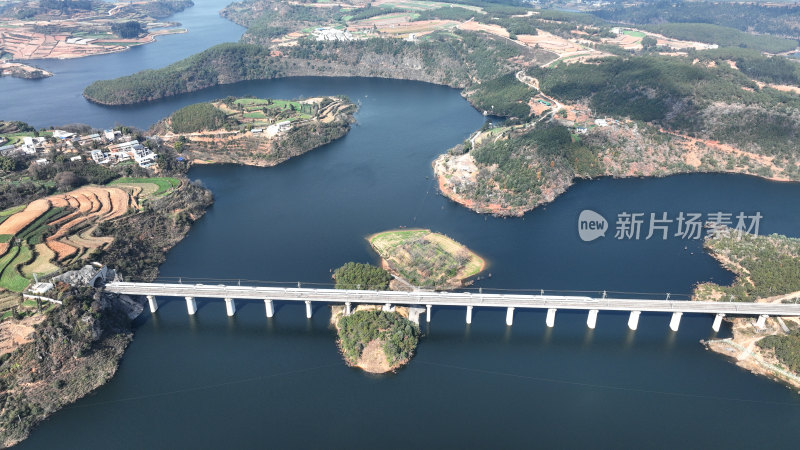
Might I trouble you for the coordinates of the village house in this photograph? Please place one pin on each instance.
(280, 127)
(61, 134)
(32, 145)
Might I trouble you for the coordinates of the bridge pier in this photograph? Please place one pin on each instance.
(387, 307)
(675, 321)
(591, 321)
(191, 306)
(151, 299)
(633, 320)
(308, 309)
(230, 307)
(269, 307)
(551, 318)
(717, 322)
(510, 316)
(348, 308)
(762, 321)
(469, 315)
(428, 314)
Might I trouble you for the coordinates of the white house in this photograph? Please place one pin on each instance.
(61, 134)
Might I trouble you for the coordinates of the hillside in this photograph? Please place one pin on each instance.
(638, 116)
(767, 269)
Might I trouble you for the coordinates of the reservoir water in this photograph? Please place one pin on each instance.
(250, 382)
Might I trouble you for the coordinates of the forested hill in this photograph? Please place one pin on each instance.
(774, 19)
(458, 59)
(718, 102)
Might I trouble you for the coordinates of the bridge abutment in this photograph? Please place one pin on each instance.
(551, 318)
(591, 321)
(230, 307)
(269, 307)
(675, 321)
(510, 316)
(469, 315)
(717, 322)
(633, 320)
(191, 306)
(308, 309)
(151, 300)
(762, 321)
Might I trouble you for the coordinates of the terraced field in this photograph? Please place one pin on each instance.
(58, 230)
(148, 186)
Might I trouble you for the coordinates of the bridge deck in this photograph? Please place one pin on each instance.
(451, 299)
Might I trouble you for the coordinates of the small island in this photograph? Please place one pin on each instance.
(374, 338)
(767, 270)
(255, 131)
(422, 258)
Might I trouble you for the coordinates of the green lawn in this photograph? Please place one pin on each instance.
(5, 238)
(634, 33)
(11, 279)
(165, 184)
(255, 115)
(12, 210)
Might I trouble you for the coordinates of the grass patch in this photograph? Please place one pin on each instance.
(5, 238)
(10, 278)
(633, 33)
(11, 211)
(165, 184)
(255, 115)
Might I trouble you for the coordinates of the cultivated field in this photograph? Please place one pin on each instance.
(426, 259)
(58, 230)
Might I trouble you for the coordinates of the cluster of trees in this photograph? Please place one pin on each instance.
(24, 182)
(723, 36)
(768, 265)
(370, 11)
(503, 96)
(66, 6)
(786, 348)
(769, 69)
(355, 275)
(762, 18)
(525, 161)
(303, 138)
(140, 239)
(90, 332)
(643, 88)
(230, 61)
(197, 117)
(163, 8)
(127, 30)
(399, 336)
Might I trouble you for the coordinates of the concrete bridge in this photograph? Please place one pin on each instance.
(428, 299)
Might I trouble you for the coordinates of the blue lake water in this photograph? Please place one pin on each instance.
(250, 382)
